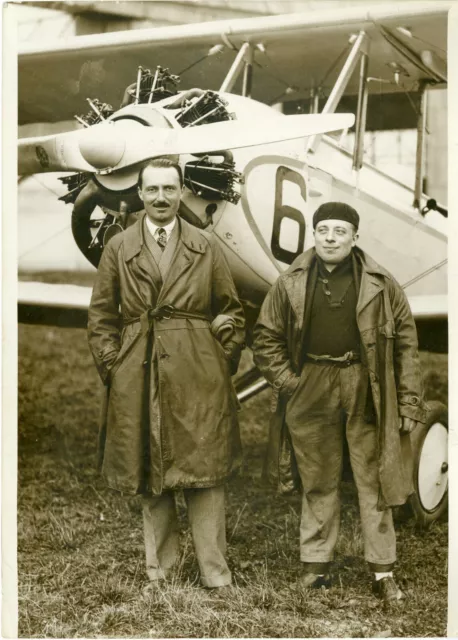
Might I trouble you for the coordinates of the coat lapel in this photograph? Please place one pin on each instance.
(152, 245)
(372, 279)
(166, 256)
(370, 287)
(296, 284)
(140, 260)
(190, 244)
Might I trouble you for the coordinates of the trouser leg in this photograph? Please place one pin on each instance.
(314, 421)
(160, 528)
(320, 475)
(377, 526)
(206, 514)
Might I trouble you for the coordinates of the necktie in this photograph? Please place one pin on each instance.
(161, 238)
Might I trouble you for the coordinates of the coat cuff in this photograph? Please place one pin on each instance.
(106, 364)
(233, 351)
(290, 385)
(284, 385)
(105, 375)
(412, 406)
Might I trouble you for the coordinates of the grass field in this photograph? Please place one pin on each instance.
(80, 546)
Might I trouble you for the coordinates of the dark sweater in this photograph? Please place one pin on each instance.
(332, 328)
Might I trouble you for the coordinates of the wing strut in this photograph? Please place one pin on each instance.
(234, 71)
(421, 127)
(248, 73)
(359, 47)
(361, 112)
(243, 60)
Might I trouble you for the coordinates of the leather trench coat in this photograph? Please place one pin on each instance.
(170, 413)
(389, 351)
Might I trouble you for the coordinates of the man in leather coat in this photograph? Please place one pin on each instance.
(336, 339)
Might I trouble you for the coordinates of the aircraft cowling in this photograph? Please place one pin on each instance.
(115, 193)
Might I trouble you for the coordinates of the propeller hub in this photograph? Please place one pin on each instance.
(102, 146)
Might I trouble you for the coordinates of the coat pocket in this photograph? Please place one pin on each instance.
(385, 345)
(221, 349)
(131, 340)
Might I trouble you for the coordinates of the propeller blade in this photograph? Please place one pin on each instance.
(114, 145)
(60, 152)
(233, 134)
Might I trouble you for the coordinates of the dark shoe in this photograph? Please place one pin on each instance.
(387, 590)
(312, 581)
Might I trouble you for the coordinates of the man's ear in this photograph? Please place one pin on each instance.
(139, 193)
(355, 239)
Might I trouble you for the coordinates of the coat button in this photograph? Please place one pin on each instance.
(325, 280)
(328, 293)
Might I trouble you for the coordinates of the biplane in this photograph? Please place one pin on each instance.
(253, 175)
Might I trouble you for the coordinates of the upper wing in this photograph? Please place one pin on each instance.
(300, 49)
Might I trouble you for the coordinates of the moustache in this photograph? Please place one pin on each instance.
(161, 205)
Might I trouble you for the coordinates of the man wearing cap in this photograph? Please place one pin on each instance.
(336, 340)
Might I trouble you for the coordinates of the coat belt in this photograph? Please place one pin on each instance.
(163, 312)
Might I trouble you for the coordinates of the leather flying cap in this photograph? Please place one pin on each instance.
(336, 211)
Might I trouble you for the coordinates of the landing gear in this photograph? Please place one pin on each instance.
(430, 451)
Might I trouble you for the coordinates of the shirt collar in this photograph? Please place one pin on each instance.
(152, 228)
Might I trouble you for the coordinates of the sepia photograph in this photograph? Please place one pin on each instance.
(230, 264)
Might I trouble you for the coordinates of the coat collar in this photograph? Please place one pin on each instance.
(295, 280)
(305, 260)
(133, 238)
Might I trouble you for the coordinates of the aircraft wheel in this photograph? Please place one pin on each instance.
(430, 452)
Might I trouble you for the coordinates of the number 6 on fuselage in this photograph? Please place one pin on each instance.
(285, 211)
